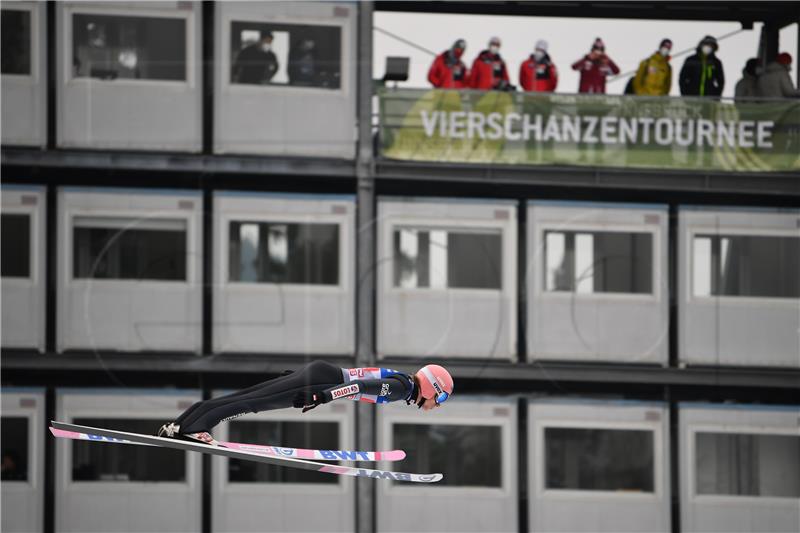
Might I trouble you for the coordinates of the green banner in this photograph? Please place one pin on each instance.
(589, 130)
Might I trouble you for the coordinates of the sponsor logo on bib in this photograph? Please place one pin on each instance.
(344, 391)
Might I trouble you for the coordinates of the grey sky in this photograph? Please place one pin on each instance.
(627, 42)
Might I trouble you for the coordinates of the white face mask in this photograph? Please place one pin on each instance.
(494, 49)
(706, 49)
(266, 47)
(539, 55)
(664, 51)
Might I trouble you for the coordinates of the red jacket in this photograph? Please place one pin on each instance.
(488, 71)
(448, 72)
(594, 72)
(540, 76)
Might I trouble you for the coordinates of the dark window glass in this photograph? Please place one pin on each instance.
(276, 252)
(99, 461)
(127, 47)
(588, 262)
(743, 265)
(313, 435)
(748, 464)
(599, 459)
(468, 456)
(286, 54)
(16, 39)
(441, 259)
(126, 251)
(16, 246)
(15, 448)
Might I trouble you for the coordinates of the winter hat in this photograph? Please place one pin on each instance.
(784, 59)
(751, 66)
(710, 40)
(494, 40)
(541, 44)
(460, 44)
(667, 43)
(598, 43)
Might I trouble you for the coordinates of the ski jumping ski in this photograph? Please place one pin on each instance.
(280, 451)
(291, 462)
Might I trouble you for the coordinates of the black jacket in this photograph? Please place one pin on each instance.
(702, 75)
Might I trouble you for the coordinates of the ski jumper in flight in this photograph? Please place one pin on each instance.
(314, 384)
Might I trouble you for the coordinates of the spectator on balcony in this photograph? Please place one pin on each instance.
(702, 74)
(303, 66)
(747, 86)
(654, 77)
(257, 63)
(489, 70)
(538, 73)
(448, 71)
(775, 82)
(595, 67)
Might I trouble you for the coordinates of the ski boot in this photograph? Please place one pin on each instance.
(172, 431)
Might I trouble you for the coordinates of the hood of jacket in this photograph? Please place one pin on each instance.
(545, 59)
(659, 58)
(775, 67)
(488, 57)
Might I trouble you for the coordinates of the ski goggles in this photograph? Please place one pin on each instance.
(441, 398)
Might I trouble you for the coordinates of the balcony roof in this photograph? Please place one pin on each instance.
(781, 13)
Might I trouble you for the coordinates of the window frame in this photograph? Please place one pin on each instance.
(35, 447)
(395, 224)
(540, 484)
(341, 414)
(192, 275)
(345, 249)
(120, 487)
(33, 234)
(224, 62)
(744, 429)
(694, 231)
(188, 16)
(540, 263)
(35, 53)
(506, 472)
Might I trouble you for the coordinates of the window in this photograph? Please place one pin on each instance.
(314, 435)
(16, 38)
(97, 461)
(599, 459)
(748, 464)
(439, 259)
(113, 47)
(146, 249)
(16, 246)
(277, 252)
(15, 448)
(606, 261)
(286, 54)
(745, 265)
(468, 456)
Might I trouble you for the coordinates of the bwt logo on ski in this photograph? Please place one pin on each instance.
(102, 438)
(344, 391)
(357, 372)
(344, 455)
(383, 474)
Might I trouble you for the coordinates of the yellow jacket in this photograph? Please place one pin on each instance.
(654, 76)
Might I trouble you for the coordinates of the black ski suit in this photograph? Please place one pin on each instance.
(297, 389)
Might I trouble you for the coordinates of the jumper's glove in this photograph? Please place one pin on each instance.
(307, 399)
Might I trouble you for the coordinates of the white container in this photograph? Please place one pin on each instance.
(101, 308)
(447, 278)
